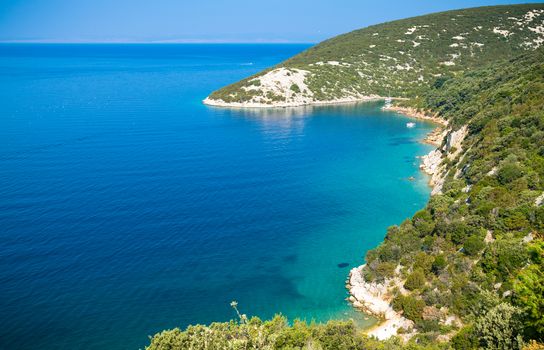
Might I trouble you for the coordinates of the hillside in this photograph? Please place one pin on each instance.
(475, 254)
(396, 59)
(467, 270)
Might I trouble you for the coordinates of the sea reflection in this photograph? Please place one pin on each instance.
(276, 124)
(285, 123)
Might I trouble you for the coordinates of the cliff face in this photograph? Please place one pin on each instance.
(400, 58)
(433, 164)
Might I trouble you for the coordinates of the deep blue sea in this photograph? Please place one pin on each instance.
(127, 206)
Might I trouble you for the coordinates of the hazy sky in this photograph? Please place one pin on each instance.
(204, 20)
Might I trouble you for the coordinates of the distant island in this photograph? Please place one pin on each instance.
(466, 271)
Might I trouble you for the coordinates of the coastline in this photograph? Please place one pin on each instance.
(417, 114)
(372, 297)
(375, 298)
(436, 136)
(346, 100)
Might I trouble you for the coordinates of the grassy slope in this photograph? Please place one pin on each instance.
(400, 58)
(496, 288)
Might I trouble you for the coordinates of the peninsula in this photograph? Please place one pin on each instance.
(396, 59)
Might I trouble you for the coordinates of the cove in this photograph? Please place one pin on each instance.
(129, 207)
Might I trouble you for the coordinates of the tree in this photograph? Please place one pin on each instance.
(529, 291)
(473, 245)
(439, 264)
(423, 222)
(415, 280)
(465, 339)
(411, 307)
(508, 173)
(500, 328)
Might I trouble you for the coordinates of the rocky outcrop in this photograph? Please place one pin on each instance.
(539, 201)
(433, 164)
(374, 298)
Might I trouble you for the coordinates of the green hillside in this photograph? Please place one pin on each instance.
(398, 58)
(475, 252)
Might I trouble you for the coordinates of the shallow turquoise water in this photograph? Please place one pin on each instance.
(127, 206)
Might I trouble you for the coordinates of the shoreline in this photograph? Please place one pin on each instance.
(375, 299)
(436, 136)
(372, 297)
(347, 100)
(417, 114)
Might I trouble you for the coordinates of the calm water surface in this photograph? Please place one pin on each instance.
(127, 206)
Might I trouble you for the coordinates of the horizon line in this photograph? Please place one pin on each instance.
(158, 42)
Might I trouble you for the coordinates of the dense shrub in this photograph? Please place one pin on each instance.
(529, 291)
(465, 339)
(473, 245)
(412, 308)
(509, 173)
(415, 280)
(439, 263)
(500, 328)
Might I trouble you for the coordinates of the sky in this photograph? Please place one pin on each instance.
(297, 21)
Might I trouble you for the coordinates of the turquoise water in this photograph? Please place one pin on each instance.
(127, 206)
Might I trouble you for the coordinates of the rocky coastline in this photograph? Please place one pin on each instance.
(375, 297)
(294, 103)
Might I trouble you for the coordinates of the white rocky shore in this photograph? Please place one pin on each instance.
(291, 85)
(375, 299)
(432, 163)
(292, 103)
(448, 142)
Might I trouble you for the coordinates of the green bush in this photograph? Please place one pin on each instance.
(500, 328)
(295, 88)
(508, 173)
(529, 291)
(465, 339)
(415, 280)
(385, 270)
(439, 264)
(411, 307)
(457, 231)
(473, 245)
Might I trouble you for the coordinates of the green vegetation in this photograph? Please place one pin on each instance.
(415, 280)
(495, 285)
(401, 58)
(276, 334)
(475, 253)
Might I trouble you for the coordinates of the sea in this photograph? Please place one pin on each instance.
(128, 207)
